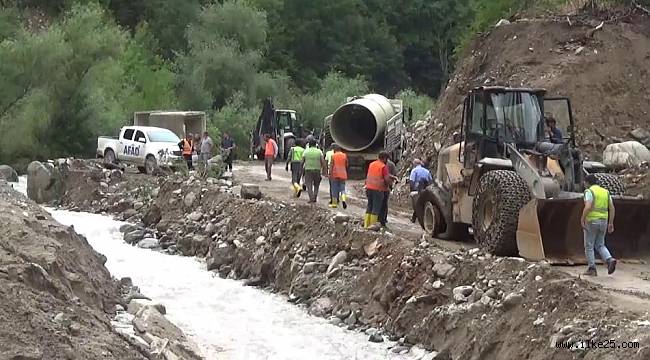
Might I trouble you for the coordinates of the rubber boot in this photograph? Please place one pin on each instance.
(611, 265)
(591, 271)
(344, 199)
(334, 204)
(366, 220)
(374, 223)
(297, 190)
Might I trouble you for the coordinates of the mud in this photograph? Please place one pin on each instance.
(461, 303)
(57, 298)
(604, 73)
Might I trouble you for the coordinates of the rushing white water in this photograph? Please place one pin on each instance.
(226, 319)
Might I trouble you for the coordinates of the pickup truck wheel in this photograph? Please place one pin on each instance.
(109, 157)
(150, 165)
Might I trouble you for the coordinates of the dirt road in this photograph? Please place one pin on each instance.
(633, 279)
(280, 189)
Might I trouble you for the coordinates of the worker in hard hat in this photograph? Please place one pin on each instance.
(295, 161)
(597, 220)
(338, 173)
(378, 181)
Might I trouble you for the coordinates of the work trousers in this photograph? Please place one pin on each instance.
(595, 240)
(337, 188)
(188, 161)
(375, 201)
(227, 159)
(296, 172)
(204, 158)
(383, 214)
(268, 165)
(414, 195)
(312, 182)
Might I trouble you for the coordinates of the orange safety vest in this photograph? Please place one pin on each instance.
(339, 169)
(375, 179)
(187, 147)
(270, 148)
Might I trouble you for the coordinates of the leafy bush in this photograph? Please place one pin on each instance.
(64, 86)
(420, 104)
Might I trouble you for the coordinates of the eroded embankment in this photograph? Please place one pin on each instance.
(56, 296)
(464, 304)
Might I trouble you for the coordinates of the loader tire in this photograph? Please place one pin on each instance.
(495, 213)
(428, 214)
(612, 183)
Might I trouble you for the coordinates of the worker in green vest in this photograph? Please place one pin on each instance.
(597, 220)
(295, 160)
(314, 167)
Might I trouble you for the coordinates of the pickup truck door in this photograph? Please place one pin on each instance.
(126, 138)
(136, 150)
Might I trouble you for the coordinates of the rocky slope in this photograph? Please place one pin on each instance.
(603, 70)
(462, 304)
(56, 296)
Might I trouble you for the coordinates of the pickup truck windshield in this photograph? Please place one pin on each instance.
(163, 136)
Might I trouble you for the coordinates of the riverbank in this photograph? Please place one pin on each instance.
(57, 298)
(387, 286)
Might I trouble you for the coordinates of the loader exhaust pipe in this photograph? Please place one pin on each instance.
(359, 124)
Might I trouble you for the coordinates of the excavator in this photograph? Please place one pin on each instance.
(517, 192)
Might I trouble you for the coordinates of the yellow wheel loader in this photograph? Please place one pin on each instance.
(518, 188)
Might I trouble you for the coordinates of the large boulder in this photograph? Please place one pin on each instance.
(8, 173)
(641, 135)
(251, 191)
(194, 245)
(625, 154)
(43, 182)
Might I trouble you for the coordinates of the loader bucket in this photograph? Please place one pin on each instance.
(550, 229)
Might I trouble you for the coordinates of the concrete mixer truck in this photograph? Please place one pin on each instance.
(365, 126)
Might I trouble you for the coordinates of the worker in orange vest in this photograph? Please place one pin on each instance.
(187, 149)
(338, 173)
(270, 153)
(377, 184)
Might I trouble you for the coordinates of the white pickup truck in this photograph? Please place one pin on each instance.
(143, 146)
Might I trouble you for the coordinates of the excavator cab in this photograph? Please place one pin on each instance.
(518, 183)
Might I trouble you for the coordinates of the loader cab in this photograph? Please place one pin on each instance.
(496, 116)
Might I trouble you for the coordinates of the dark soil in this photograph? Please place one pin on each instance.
(604, 73)
(389, 282)
(56, 296)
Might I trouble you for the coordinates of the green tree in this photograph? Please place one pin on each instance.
(225, 52)
(168, 20)
(332, 93)
(309, 39)
(64, 86)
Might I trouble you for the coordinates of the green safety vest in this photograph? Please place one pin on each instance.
(600, 210)
(297, 153)
(312, 158)
(328, 157)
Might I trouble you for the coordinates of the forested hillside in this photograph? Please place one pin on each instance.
(72, 70)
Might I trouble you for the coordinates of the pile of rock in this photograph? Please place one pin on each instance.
(7, 173)
(144, 325)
